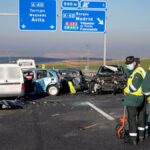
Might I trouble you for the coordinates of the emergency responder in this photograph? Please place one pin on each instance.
(146, 91)
(134, 100)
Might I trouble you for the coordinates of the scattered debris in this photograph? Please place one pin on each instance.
(11, 104)
(54, 115)
(88, 127)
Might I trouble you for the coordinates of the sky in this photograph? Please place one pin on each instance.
(127, 33)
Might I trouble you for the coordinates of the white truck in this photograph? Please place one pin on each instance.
(26, 64)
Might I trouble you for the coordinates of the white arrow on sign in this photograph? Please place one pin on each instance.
(101, 22)
(23, 26)
(52, 27)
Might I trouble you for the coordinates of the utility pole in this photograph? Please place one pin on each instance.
(88, 57)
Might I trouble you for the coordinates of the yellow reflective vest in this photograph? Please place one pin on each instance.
(138, 92)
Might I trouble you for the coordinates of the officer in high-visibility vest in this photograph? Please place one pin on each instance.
(134, 100)
(146, 92)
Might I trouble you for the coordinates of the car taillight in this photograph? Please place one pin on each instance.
(22, 87)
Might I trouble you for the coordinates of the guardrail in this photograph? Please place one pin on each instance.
(89, 73)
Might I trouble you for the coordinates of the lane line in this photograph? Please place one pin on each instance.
(101, 111)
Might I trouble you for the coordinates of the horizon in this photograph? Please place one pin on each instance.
(128, 33)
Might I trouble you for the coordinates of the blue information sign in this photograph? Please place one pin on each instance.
(83, 20)
(70, 4)
(37, 14)
(92, 4)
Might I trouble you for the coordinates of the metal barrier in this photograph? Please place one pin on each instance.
(89, 73)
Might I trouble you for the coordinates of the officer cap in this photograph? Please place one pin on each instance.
(137, 60)
(130, 60)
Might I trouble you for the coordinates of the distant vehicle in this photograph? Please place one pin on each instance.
(109, 78)
(42, 81)
(11, 81)
(76, 76)
(26, 64)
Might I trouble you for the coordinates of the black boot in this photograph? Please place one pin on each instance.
(146, 134)
(141, 138)
(133, 141)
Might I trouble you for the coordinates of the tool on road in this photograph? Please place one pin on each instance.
(121, 131)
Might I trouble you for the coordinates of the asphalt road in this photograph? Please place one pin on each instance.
(67, 122)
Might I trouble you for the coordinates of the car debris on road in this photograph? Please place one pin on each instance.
(11, 104)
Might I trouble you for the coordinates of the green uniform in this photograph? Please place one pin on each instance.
(134, 100)
(146, 91)
(132, 97)
(146, 83)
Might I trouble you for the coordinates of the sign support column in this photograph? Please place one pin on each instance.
(105, 42)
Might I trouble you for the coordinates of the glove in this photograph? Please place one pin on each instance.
(148, 99)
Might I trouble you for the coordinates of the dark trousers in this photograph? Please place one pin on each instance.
(137, 120)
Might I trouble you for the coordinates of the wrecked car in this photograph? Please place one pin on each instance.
(109, 78)
(42, 81)
(74, 75)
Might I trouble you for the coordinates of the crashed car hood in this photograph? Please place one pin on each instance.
(112, 68)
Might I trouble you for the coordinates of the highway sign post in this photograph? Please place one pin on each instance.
(85, 16)
(37, 14)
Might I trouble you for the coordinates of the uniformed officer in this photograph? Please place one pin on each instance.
(146, 91)
(134, 100)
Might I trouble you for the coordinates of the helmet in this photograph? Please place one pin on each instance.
(129, 60)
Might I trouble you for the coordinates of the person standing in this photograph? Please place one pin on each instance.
(134, 100)
(146, 92)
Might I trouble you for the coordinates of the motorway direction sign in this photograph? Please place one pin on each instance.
(70, 4)
(92, 4)
(83, 20)
(37, 14)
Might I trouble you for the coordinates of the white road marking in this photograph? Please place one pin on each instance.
(54, 115)
(100, 111)
(90, 126)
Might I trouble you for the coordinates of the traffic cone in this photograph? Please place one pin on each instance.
(71, 88)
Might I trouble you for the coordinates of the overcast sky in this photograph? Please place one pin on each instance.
(128, 33)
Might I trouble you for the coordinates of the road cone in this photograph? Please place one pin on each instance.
(71, 87)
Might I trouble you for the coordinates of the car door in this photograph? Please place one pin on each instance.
(42, 80)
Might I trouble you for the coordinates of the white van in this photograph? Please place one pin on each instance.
(11, 81)
(26, 64)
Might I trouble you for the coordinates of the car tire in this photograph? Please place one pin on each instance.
(91, 87)
(52, 90)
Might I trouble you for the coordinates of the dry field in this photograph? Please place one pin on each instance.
(93, 64)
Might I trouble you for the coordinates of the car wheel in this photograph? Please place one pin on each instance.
(91, 87)
(52, 90)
